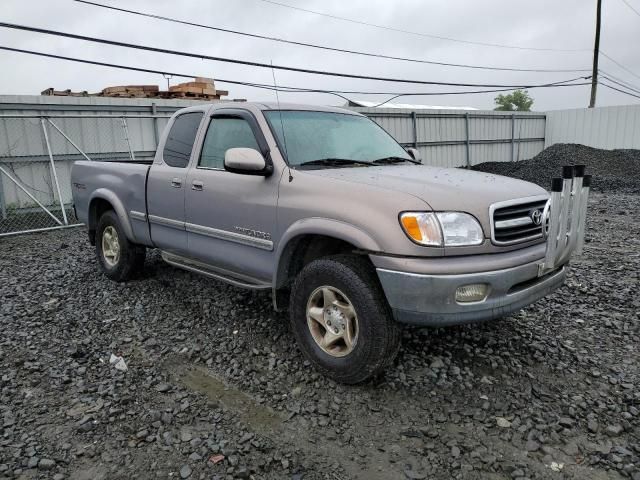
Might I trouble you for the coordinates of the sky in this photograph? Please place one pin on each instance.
(542, 24)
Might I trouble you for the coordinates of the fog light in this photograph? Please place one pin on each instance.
(476, 292)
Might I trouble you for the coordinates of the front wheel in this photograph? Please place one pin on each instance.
(341, 319)
(119, 258)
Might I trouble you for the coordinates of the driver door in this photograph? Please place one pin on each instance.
(230, 217)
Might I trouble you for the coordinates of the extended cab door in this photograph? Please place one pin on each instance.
(230, 217)
(166, 184)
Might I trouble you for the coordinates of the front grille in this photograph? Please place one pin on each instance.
(515, 223)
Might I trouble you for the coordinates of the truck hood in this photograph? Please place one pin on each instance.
(441, 188)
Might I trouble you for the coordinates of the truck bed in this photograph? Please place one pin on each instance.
(137, 161)
(123, 184)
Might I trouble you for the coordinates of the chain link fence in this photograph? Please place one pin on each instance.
(37, 153)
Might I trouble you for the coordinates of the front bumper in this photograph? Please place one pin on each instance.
(423, 292)
(429, 300)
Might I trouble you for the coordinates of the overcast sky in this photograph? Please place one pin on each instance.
(556, 24)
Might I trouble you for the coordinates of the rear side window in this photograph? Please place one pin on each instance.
(225, 133)
(179, 144)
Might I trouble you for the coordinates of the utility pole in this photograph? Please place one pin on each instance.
(596, 51)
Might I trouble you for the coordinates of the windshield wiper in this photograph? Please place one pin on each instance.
(389, 160)
(332, 162)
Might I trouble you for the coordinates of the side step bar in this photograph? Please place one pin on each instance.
(221, 274)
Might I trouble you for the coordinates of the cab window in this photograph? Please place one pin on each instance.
(222, 134)
(177, 148)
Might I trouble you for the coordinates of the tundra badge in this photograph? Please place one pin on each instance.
(253, 233)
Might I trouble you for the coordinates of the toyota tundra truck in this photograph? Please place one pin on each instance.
(345, 228)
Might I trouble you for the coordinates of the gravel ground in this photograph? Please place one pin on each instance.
(613, 170)
(216, 388)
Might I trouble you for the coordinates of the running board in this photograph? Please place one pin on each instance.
(214, 272)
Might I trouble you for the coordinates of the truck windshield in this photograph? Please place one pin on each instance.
(328, 139)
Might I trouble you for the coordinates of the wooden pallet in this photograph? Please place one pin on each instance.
(64, 93)
(200, 89)
(193, 95)
(197, 87)
(141, 90)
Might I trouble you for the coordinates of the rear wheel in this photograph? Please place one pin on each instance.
(119, 258)
(341, 318)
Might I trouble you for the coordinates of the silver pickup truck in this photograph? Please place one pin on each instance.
(345, 227)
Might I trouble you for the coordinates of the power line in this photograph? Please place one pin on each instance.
(620, 65)
(246, 62)
(427, 35)
(631, 7)
(324, 47)
(633, 89)
(285, 89)
(137, 69)
(395, 95)
(619, 90)
(559, 84)
(625, 83)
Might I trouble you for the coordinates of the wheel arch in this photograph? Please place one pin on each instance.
(308, 240)
(101, 201)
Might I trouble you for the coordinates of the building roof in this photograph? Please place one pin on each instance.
(369, 104)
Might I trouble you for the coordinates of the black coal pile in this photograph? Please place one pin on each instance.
(612, 170)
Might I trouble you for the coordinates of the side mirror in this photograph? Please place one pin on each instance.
(246, 161)
(415, 154)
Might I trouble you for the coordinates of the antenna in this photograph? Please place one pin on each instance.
(284, 136)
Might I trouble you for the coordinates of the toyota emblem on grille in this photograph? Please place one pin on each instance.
(536, 216)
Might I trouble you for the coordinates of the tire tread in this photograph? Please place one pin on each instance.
(358, 273)
(132, 256)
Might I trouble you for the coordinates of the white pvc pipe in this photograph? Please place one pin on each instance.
(577, 199)
(564, 214)
(576, 207)
(583, 220)
(552, 236)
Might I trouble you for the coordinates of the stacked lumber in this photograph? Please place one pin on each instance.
(200, 89)
(131, 91)
(63, 93)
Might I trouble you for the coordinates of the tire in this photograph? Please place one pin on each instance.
(352, 281)
(124, 262)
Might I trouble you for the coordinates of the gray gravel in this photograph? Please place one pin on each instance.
(215, 387)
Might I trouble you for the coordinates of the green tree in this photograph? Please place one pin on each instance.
(518, 100)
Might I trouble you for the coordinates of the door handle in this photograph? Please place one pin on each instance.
(197, 185)
(176, 183)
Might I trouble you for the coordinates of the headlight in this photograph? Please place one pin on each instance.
(460, 229)
(451, 229)
(422, 228)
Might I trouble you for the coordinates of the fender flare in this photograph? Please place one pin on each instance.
(321, 226)
(112, 198)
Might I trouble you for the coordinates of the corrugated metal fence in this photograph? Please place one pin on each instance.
(40, 137)
(603, 127)
(454, 138)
